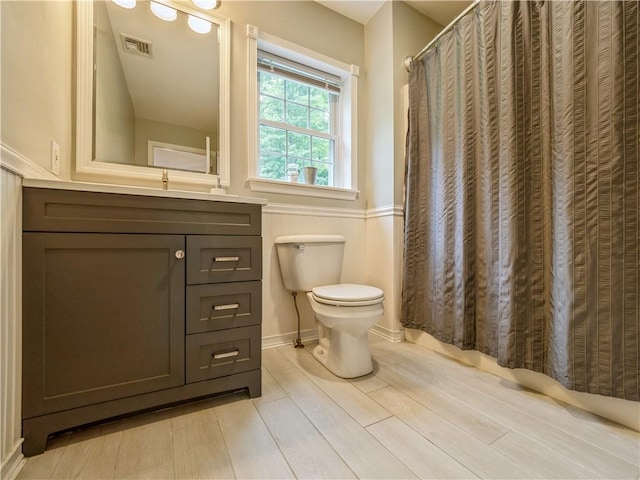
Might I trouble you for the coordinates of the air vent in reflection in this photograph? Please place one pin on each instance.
(136, 45)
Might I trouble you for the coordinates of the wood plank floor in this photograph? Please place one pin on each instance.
(419, 415)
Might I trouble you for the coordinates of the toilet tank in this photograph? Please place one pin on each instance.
(308, 261)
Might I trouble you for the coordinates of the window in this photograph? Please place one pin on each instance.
(301, 114)
(297, 119)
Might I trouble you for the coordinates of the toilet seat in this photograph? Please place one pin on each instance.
(348, 295)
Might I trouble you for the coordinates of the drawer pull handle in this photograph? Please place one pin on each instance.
(218, 356)
(226, 259)
(229, 306)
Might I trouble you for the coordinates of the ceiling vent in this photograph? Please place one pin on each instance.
(136, 45)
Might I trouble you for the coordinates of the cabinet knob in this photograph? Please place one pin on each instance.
(180, 254)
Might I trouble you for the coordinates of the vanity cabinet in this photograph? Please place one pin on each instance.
(133, 302)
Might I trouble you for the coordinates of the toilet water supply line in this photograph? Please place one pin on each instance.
(298, 341)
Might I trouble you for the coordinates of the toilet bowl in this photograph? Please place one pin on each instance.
(344, 314)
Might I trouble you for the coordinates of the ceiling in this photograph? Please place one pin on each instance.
(362, 11)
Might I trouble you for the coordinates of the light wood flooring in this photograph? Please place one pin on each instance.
(419, 415)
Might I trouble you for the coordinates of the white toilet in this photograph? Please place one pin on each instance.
(344, 312)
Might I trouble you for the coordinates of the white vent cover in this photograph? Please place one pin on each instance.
(136, 45)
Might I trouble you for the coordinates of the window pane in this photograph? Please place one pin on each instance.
(272, 139)
(319, 98)
(319, 121)
(272, 166)
(297, 92)
(289, 105)
(321, 149)
(299, 145)
(271, 109)
(297, 115)
(323, 173)
(271, 84)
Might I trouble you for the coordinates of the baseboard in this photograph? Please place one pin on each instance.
(14, 463)
(624, 412)
(391, 335)
(281, 340)
(311, 335)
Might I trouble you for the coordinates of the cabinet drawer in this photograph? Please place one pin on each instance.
(222, 306)
(218, 354)
(217, 259)
(71, 211)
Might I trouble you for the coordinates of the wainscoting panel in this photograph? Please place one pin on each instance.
(10, 322)
(279, 321)
(384, 227)
(373, 256)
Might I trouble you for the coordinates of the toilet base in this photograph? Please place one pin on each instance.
(344, 355)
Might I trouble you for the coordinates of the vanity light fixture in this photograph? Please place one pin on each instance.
(125, 3)
(199, 25)
(168, 14)
(207, 4)
(163, 12)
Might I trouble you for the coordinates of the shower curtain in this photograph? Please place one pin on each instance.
(522, 190)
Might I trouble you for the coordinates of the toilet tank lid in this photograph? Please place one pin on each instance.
(310, 239)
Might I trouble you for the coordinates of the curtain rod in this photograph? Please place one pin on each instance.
(408, 59)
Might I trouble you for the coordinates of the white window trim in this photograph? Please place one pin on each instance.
(349, 120)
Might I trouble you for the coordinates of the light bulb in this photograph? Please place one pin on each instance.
(207, 4)
(199, 25)
(163, 12)
(125, 3)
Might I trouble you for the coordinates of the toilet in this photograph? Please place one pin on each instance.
(344, 312)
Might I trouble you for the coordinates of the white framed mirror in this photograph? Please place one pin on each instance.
(152, 93)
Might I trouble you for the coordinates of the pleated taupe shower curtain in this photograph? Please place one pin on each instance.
(523, 195)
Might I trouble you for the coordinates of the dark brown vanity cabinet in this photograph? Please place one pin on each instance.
(132, 302)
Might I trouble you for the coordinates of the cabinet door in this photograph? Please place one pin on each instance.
(103, 318)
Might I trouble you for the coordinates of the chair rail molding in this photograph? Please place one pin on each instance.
(385, 211)
(21, 166)
(313, 211)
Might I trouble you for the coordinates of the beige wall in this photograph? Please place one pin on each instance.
(114, 115)
(379, 99)
(37, 83)
(395, 32)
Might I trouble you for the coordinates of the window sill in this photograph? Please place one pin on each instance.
(301, 189)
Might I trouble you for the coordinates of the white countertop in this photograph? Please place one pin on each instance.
(144, 191)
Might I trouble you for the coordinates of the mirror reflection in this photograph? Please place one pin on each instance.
(156, 88)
